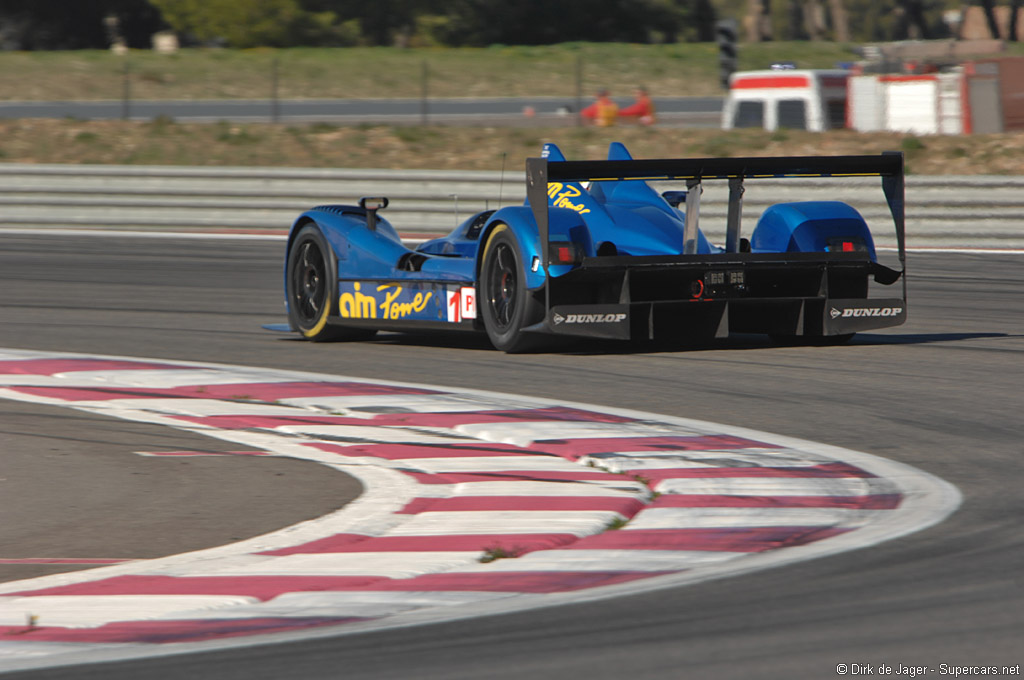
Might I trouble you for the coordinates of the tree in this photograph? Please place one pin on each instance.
(814, 19)
(840, 21)
(381, 22)
(543, 22)
(873, 20)
(758, 20)
(34, 25)
(990, 17)
(703, 16)
(912, 25)
(239, 23)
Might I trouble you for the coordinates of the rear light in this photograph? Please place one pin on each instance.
(562, 252)
(846, 244)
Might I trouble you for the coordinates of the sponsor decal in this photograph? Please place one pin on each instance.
(588, 318)
(461, 303)
(561, 196)
(357, 305)
(854, 312)
(391, 301)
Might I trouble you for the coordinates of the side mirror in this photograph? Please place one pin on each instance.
(674, 198)
(371, 205)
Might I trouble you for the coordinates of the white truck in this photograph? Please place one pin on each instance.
(799, 99)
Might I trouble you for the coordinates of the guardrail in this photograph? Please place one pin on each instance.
(977, 211)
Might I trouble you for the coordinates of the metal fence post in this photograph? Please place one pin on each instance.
(274, 102)
(126, 91)
(579, 90)
(424, 92)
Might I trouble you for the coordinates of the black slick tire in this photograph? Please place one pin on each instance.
(506, 305)
(311, 288)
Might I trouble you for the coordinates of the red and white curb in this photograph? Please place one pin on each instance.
(475, 503)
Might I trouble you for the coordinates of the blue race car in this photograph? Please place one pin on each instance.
(596, 252)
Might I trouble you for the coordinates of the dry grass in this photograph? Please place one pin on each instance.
(362, 72)
(164, 142)
(371, 72)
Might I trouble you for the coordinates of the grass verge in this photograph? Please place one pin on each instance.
(165, 142)
(371, 72)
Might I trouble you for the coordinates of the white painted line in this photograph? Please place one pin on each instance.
(525, 433)
(654, 460)
(368, 406)
(376, 564)
(343, 435)
(575, 522)
(183, 235)
(163, 379)
(344, 604)
(610, 560)
(528, 488)
(716, 518)
(196, 407)
(128, 233)
(95, 610)
(776, 486)
(492, 464)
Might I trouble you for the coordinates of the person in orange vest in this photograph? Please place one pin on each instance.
(603, 111)
(642, 108)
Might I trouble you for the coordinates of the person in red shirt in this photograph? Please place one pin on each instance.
(642, 108)
(603, 111)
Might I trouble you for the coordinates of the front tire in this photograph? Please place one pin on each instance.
(311, 287)
(507, 306)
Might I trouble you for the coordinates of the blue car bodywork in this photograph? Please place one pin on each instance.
(596, 252)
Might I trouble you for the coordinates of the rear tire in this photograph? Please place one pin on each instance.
(507, 306)
(311, 287)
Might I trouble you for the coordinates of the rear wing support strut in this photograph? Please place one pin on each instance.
(693, 193)
(732, 220)
(694, 190)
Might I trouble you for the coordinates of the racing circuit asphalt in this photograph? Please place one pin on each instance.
(942, 393)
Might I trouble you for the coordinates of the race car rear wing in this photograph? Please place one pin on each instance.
(888, 166)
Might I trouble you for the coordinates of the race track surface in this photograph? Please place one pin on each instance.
(941, 394)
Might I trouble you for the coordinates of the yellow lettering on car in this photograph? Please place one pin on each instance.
(562, 195)
(397, 310)
(357, 305)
